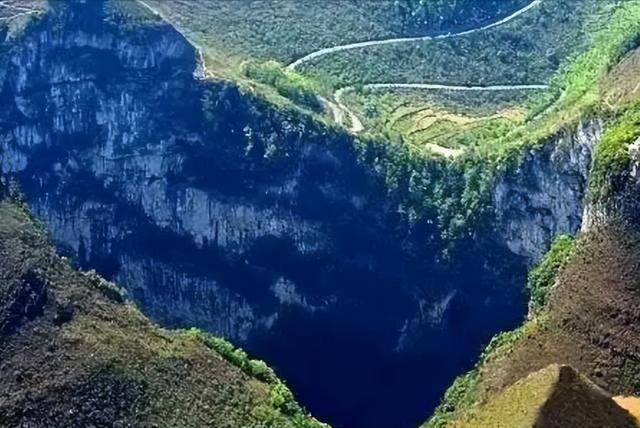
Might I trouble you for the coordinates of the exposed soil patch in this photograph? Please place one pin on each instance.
(622, 84)
(555, 397)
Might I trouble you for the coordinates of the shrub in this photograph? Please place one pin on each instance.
(281, 398)
(542, 277)
(612, 153)
(290, 84)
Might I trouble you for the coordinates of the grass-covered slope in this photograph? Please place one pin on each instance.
(556, 396)
(73, 354)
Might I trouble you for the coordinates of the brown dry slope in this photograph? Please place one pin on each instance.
(73, 354)
(593, 322)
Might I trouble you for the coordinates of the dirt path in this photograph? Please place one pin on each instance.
(444, 151)
(356, 124)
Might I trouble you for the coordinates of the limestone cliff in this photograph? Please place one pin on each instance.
(544, 195)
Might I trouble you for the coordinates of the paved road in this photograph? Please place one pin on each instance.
(327, 51)
(340, 109)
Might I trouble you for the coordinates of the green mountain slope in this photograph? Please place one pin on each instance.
(288, 29)
(76, 354)
(72, 353)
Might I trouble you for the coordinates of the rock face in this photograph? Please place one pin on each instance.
(544, 195)
(106, 111)
(215, 209)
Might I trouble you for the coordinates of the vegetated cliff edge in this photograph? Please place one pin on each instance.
(215, 209)
(592, 307)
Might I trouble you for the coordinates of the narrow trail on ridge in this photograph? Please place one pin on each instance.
(340, 110)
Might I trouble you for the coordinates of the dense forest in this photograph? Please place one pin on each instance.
(437, 15)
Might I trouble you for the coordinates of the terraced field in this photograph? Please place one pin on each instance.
(432, 117)
(363, 52)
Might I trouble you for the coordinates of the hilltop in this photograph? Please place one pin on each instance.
(526, 48)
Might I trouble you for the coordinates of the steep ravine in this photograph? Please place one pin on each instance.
(215, 209)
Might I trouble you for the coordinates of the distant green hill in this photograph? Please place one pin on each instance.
(288, 29)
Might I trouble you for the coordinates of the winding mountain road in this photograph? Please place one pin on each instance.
(327, 51)
(340, 109)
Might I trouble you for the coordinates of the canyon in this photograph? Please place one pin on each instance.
(215, 209)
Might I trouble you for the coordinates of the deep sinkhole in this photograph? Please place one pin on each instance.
(299, 255)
